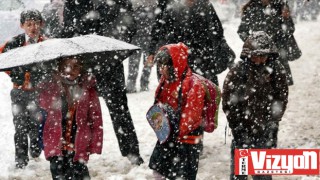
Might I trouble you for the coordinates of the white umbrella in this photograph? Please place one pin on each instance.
(96, 48)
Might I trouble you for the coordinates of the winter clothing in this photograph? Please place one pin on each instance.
(22, 95)
(255, 96)
(53, 17)
(185, 141)
(88, 137)
(65, 168)
(143, 16)
(24, 78)
(115, 97)
(87, 17)
(110, 77)
(258, 17)
(26, 124)
(200, 29)
(73, 17)
(287, 45)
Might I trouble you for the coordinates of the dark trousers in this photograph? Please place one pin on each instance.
(111, 86)
(134, 62)
(64, 168)
(175, 160)
(24, 108)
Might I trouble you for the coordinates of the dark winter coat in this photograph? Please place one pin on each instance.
(88, 118)
(286, 43)
(143, 16)
(25, 78)
(52, 15)
(255, 95)
(252, 96)
(185, 145)
(257, 17)
(117, 20)
(111, 20)
(75, 23)
(199, 28)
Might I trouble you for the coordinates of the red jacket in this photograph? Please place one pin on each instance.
(89, 134)
(192, 92)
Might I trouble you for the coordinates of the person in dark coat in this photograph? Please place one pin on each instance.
(86, 17)
(195, 23)
(285, 41)
(144, 15)
(178, 157)
(23, 95)
(72, 126)
(266, 15)
(255, 96)
(53, 17)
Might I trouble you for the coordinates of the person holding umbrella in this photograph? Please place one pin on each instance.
(72, 119)
(23, 95)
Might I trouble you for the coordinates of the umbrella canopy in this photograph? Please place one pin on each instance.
(97, 48)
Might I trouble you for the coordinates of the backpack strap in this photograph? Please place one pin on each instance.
(178, 112)
(180, 93)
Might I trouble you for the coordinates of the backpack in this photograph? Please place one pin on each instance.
(211, 104)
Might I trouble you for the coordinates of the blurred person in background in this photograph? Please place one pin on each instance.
(53, 16)
(144, 16)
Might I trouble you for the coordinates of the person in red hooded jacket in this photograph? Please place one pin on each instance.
(72, 127)
(183, 91)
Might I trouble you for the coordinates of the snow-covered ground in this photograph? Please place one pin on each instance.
(298, 128)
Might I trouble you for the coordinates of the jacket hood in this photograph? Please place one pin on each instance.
(179, 56)
(259, 43)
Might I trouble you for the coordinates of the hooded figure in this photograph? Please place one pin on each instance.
(255, 95)
(180, 89)
(267, 15)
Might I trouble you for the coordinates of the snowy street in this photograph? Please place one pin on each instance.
(298, 128)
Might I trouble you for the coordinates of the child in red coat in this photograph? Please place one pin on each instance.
(73, 124)
(183, 91)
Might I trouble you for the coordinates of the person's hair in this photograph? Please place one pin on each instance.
(30, 14)
(163, 57)
(78, 58)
